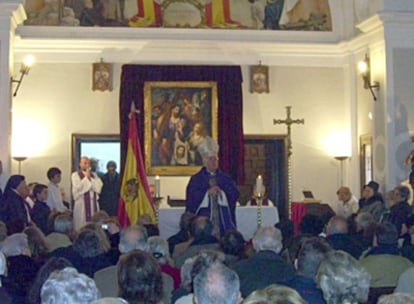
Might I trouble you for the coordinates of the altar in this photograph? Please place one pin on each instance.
(246, 217)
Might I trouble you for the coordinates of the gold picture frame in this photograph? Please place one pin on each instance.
(102, 76)
(259, 79)
(178, 115)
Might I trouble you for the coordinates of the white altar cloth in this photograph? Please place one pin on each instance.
(246, 218)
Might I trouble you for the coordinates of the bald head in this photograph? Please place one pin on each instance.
(337, 225)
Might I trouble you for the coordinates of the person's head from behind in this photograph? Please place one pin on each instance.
(43, 274)
(40, 192)
(311, 253)
(311, 224)
(344, 194)
(205, 259)
(88, 244)
(201, 227)
(139, 278)
(275, 294)
(144, 219)
(54, 175)
(100, 217)
(342, 279)
(268, 238)
(69, 286)
(232, 243)
(217, 284)
(63, 223)
(133, 237)
(36, 240)
(385, 234)
(364, 220)
(337, 225)
(111, 167)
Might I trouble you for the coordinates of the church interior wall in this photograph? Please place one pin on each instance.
(404, 109)
(56, 100)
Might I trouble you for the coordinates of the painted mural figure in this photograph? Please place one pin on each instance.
(218, 14)
(149, 14)
(273, 11)
(312, 15)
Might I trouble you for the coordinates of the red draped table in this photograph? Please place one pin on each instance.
(300, 209)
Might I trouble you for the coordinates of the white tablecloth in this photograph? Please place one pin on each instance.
(246, 218)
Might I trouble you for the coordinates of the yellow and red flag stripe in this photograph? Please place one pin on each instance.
(129, 211)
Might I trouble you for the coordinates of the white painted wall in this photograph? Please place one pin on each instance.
(56, 100)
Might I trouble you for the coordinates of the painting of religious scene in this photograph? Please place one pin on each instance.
(304, 15)
(178, 116)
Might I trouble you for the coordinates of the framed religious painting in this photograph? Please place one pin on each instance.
(259, 79)
(178, 116)
(102, 76)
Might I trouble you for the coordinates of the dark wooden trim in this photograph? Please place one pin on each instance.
(284, 137)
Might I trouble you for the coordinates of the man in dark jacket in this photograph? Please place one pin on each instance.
(266, 266)
(311, 253)
(339, 238)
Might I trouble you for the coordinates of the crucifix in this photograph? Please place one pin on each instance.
(289, 122)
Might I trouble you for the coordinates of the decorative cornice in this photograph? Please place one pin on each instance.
(12, 13)
(190, 46)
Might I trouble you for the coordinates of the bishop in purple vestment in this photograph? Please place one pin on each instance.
(211, 192)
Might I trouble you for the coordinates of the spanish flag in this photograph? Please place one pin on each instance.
(135, 195)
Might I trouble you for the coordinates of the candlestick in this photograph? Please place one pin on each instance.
(157, 186)
(259, 185)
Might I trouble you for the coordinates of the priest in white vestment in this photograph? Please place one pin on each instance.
(86, 187)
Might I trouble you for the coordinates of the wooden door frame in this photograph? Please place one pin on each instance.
(269, 137)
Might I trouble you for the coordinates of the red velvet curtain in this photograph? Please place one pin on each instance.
(230, 107)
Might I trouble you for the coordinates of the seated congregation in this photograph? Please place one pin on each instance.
(363, 254)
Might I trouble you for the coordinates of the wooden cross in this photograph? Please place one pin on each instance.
(289, 122)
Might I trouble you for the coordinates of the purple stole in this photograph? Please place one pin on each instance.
(88, 201)
(265, 202)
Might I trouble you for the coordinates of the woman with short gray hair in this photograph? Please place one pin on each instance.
(343, 279)
(69, 286)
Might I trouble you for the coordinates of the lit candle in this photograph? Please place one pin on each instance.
(259, 185)
(157, 186)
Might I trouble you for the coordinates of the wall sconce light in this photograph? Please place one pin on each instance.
(364, 69)
(24, 70)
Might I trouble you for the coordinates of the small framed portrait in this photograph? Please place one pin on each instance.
(259, 79)
(102, 76)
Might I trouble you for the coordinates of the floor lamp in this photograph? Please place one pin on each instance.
(19, 159)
